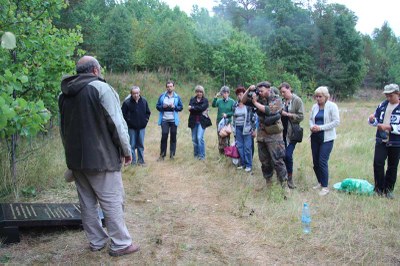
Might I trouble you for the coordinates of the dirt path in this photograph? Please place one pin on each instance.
(193, 220)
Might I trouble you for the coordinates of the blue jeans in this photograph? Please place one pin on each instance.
(320, 153)
(289, 157)
(198, 141)
(137, 142)
(244, 145)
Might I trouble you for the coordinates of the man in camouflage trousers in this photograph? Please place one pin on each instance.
(271, 148)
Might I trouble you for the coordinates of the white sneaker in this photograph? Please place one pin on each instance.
(239, 167)
(324, 191)
(317, 186)
(248, 169)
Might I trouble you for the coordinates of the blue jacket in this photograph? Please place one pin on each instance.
(178, 107)
(394, 135)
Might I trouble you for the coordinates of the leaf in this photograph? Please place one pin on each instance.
(23, 79)
(29, 191)
(8, 41)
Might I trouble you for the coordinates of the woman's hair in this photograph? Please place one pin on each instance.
(240, 89)
(199, 88)
(285, 85)
(224, 89)
(324, 91)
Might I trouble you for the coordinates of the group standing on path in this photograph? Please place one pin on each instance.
(99, 137)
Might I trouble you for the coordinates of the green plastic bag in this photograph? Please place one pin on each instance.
(358, 186)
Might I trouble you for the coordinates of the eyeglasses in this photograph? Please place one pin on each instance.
(318, 96)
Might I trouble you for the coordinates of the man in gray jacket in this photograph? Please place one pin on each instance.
(96, 143)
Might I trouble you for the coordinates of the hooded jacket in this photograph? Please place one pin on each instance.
(93, 131)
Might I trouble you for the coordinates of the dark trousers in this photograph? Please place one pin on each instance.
(320, 153)
(272, 155)
(384, 183)
(289, 157)
(172, 129)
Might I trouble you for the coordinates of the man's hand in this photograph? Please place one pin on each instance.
(189, 107)
(284, 113)
(315, 129)
(254, 98)
(274, 108)
(371, 118)
(127, 160)
(384, 127)
(252, 87)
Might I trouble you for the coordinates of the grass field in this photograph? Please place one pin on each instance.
(189, 212)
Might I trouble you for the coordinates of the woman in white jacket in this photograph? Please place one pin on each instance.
(324, 118)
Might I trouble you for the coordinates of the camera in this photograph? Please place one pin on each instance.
(250, 94)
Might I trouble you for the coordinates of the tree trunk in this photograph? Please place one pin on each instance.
(13, 165)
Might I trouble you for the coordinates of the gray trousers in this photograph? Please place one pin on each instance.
(106, 189)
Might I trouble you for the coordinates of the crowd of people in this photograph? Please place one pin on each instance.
(99, 137)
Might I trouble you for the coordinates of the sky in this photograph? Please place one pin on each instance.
(371, 13)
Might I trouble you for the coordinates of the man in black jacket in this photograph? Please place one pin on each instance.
(136, 113)
(96, 143)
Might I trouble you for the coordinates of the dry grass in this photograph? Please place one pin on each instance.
(189, 212)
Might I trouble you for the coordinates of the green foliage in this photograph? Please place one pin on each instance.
(90, 16)
(339, 51)
(21, 117)
(210, 32)
(29, 191)
(239, 59)
(382, 52)
(319, 46)
(30, 73)
(172, 45)
(116, 39)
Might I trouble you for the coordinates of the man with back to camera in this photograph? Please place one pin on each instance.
(271, 148)
(96, 143)
(136, 114)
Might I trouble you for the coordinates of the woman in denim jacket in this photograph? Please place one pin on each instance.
(244, 124)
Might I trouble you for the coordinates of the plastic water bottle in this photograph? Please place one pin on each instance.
(306, 219)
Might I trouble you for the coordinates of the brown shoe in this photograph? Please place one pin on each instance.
(128, 250)
(290, 182)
